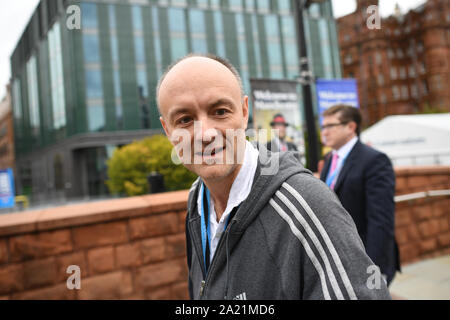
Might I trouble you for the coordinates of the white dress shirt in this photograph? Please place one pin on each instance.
(240, 190)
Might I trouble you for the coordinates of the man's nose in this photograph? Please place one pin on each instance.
(204, 129)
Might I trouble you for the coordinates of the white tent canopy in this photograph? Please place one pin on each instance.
(412, 139)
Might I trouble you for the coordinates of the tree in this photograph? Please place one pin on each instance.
(130, 165)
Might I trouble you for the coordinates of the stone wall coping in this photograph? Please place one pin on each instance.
(421, 170)
(89, 213)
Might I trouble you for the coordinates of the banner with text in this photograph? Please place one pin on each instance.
(332, 92)
(6, 189)
(270, 97)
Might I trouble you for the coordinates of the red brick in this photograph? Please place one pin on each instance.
(429, 228)
(419, 182)
(11, 278)
(39, 273)
(444, 239)
(180, 291)
(3, 252)
(76, 259)
(401, 234)
(403, 217)
(440, 208)
(100, 234)
(439, 181)
(100, 260)
(153, 250)
(409, 253)
(163, 293)
(182, 221)
(39, 245)
(413, 233)
(176, 246)
(443, 225)
(4, 298)
(423, 212)
(156, 275)
(428, 245)
(58, 292)
(128, 255)
(106, 286)
(152, 226)
(401, 184)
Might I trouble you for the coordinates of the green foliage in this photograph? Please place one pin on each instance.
(428, 109)
(130, 165)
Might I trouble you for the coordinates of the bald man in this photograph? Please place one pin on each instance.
(253, 233)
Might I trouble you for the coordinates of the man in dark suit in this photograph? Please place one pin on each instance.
(364, 181)
(279, 143)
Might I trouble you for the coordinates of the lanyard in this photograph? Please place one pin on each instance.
(205, 229)
(332, 176)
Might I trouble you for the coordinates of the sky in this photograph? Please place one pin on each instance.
(15, 15)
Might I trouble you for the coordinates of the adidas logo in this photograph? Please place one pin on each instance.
(242, 296)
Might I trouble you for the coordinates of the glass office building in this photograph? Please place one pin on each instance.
(80, 92)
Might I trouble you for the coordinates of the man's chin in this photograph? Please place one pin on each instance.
(212, 171)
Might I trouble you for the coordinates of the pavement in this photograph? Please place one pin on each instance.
(424, 280)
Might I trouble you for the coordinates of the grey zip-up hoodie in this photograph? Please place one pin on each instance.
(290, 239)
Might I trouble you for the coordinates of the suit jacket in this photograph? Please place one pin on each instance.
(366, 188)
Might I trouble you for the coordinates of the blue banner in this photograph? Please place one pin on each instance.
(6, 188)
(331, 92)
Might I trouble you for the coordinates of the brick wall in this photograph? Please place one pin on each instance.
(134, 248)
(422, 225)
(126, 249)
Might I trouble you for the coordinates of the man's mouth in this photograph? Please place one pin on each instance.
(214, 152)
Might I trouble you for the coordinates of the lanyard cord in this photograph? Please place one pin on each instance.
(205, 229)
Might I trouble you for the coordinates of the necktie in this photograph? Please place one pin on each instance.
(333, 168)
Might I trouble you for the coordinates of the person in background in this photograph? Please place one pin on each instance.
(279, 143)
(364, 181)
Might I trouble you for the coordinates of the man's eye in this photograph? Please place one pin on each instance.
(221, 112)
(184, 120)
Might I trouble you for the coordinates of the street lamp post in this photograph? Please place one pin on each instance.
(306, 77)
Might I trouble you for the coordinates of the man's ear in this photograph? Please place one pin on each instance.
(352, 125)
(245, 110)
(163, 123)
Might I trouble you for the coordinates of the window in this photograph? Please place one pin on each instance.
(378, 58)
(399, 53)
(402, 73)
(56, 77)
(218, 26)
(274, 46)
(89, 16)
(412, 71)
(202, 3)
(17, 103)
(284, 6)
(91, 48)
(405, 94)
(393, 73)
(250, 5)
(424, 87)
(390, 54)
(236, 5)
(94, 88)
(395, 93)
(414, 91)
(380, 79)
(33, 96)
(177, 32)
(198, 31)
(263, 6)
(348, 58)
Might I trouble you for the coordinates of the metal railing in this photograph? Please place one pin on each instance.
(422, 195)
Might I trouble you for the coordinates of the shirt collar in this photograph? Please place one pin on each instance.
(242, 184)
(346, 148)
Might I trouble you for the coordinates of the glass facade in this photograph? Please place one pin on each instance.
(103, 76)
